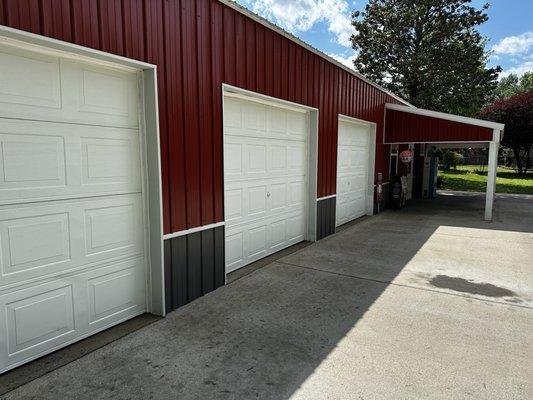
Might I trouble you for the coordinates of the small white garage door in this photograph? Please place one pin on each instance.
(353, 154)
(265, 179)
(71, 211)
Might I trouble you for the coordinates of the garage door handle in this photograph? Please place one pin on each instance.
(268, 194)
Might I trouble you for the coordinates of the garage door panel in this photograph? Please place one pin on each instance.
(35, 320)
(113, 228)
(254, 117)
(360, 157)
(33, 241)
(40, 87)
(343, 159)
(233, 160)
(114, 292)
(246, 201)
(257, 196)
(255, 158)
(278, 122)
(296, 226)
(232, 114)
(107, 161)
(37, 241)
(278, 197)
(32, 160)
(254, 240)
(278, 158)
(44, 160)
(297, 125)
(103, 92)
(234, 249)
(297, 193)
(42, 317)
(278, 234)
(255, 161)
(233, 204)
(28, 79)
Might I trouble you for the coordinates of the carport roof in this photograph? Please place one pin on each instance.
(404, 124)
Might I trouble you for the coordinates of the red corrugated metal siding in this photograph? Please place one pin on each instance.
(197, 46)
(404, 127)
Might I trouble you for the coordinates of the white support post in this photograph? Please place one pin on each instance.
(491, 175)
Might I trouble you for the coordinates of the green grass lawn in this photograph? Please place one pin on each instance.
(466, 178)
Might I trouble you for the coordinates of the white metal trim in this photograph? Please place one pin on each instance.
(445, 116)
(327, 197)
(192, 230)
(45, 44)
(352, 120)
(282, 32)
(248, 95)
(496, 135)
(154, 197)
(491, 178)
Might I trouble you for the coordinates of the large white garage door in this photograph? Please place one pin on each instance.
(265, 179)
(352, 171)
(71, 210)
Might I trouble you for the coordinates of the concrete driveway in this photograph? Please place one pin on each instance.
(427, 302)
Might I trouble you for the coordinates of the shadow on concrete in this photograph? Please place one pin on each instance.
(44, 365)
(263, 335)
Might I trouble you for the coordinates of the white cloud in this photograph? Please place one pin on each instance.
(514, 44)
(519, 70)
(302, 15)
(343, 59)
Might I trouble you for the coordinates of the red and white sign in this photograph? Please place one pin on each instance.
(406, 156)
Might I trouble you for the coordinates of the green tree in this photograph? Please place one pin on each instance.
(512, 84)
(526, 82)
(450, 159)
(427, 51)
(516, 112)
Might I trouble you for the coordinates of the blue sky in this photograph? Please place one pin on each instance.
(325, 24)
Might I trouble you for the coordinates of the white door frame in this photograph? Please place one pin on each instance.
(371, 159)
(149, 138)
(312, 145)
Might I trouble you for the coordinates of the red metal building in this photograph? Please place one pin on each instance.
(197, 46)
(218, 68)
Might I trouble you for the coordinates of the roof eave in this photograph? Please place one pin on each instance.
(448, 117)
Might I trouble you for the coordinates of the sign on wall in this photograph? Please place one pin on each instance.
(406, 156)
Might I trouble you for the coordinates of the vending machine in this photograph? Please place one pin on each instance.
(429, 177)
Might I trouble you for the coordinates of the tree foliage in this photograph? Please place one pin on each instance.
(512, 84)
(516, 113)
(427, 51)
(450, 159)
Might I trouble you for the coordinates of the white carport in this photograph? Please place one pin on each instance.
(410, 125)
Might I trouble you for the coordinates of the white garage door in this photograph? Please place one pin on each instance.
(352, 171)
(71, 210)
(265, 179)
